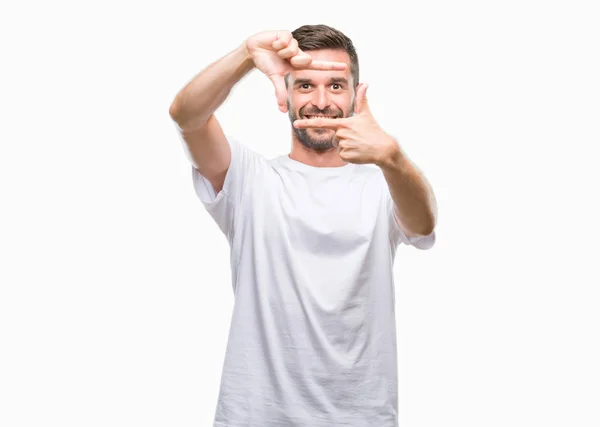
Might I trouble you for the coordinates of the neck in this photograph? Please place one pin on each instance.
(326, 159)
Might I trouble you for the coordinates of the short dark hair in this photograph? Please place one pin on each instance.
(320, 36)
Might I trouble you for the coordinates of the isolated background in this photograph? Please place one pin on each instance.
(115, 293)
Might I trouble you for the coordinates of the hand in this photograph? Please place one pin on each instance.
(276, 54)
(359, 138)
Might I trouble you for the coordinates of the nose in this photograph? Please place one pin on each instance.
(321, 99)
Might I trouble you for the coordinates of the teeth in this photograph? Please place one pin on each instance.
(321, 117)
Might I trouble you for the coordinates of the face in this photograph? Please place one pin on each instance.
(315, 93)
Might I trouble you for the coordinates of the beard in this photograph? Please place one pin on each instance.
(315, 139)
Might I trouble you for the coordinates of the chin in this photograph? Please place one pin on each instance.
(322, 132)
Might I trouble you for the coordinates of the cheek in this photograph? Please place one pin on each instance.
(296, 104)
(348, 109)
(344, 102)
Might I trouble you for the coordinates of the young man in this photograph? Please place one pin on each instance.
(313, 236)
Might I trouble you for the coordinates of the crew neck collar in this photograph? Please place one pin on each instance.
(292, 164)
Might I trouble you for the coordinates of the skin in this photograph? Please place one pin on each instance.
(312, 93)
(352, 134)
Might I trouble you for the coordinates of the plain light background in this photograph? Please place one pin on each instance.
(116, 296)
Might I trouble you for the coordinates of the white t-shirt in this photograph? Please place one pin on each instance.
(312, 340)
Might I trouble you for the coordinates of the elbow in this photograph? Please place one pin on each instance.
(419, 232)
(174, 110)
(429, 225)
(186, 120)
(426, 227)
(417, 229)
(427, 231)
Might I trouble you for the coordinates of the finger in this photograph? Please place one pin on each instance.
(282, 41)
(327, 65)
(289, 51)
(321, 123)
(304, 61)
(301, 60)
(280, 91)
(335, 141)
(341, 139)
(361, 105)
(343, 133)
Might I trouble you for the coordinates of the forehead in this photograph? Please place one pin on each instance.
(324, 75)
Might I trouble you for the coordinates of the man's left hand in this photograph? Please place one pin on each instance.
(359, 138)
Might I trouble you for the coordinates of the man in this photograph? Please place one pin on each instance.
(313, 236)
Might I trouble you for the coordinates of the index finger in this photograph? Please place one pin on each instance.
(304, 61)
(327, 65)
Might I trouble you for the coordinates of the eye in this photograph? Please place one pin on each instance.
(336, 86)
(305, 86)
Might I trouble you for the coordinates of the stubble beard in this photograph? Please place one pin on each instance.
(317, 140)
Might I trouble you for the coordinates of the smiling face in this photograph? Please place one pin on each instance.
(315, 93)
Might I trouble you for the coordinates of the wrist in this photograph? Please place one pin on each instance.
(245, 54)
(392, 157)
(244, 61)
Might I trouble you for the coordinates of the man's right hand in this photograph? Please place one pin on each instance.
(276, 54)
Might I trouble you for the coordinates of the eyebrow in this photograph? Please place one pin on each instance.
(332, 80)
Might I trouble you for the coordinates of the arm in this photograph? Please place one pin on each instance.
(361, 140)
(193, 110)
(274, 53)
(414, 201)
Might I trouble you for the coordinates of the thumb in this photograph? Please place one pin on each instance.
(361, 103)
(280, 91)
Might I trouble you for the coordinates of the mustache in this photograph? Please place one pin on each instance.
(325, 112)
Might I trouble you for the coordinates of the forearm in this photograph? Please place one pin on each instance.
(201, 97)
(413, 197)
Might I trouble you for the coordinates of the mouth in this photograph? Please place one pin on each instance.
(319, 117)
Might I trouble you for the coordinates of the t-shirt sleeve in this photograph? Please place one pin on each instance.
(222, 206)
(397, 235)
